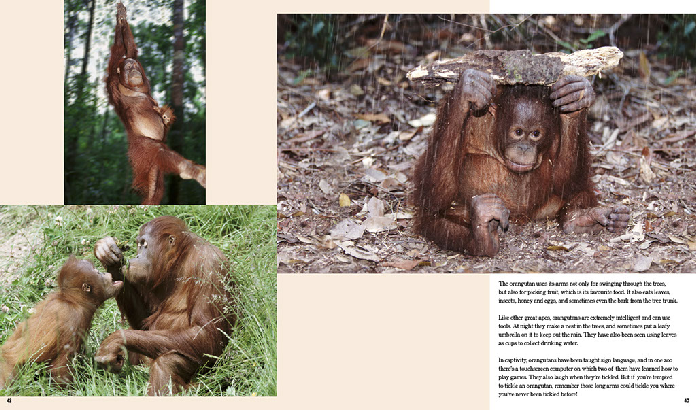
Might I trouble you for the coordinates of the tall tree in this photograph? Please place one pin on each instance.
(69, 36)
(74, 134)
(177, 130)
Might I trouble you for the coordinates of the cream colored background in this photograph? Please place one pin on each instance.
(383, 341)
(345, 341)
(31, 107)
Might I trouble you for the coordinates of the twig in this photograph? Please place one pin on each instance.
(309, 149)
(306, 110)
(612, 29)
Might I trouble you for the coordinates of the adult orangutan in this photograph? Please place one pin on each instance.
(503, 152)
(59, 325)
(146, 123)
(175, 301)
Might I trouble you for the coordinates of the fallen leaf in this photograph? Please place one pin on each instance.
(646, 174)
(391, 184)
(343, 200)
(310, 81)
(379, 224)
(414, 253)
(645, 245)
(374, 207)
(307, 136)
(407, 135)
(585, 247)
(379, 118)
(676, 239)
(286, 237)
(325, 187)
(356, 90)
(304, 239)
(286, 123)
(361, 124)
(660, 122)
(374, 175)
(359, 64)
(679, 136)
(358, 253)
(359, 52)
(642, 263)
(424, 121)
(324, 94)
(393, 46)
(289, 257)
(402, 264)
(347, 229)
(327, 242)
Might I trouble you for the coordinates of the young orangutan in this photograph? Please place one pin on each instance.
(168, 117)
(508, 152)
(56, 330)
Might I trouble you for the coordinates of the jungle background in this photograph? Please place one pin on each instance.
(95, 143)
(350, 127)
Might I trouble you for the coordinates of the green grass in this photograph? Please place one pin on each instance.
(245, 234)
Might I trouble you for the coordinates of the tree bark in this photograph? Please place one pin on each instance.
(519, 67)
(176, 133)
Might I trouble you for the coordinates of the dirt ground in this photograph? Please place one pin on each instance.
(17, 244)
(347, 147)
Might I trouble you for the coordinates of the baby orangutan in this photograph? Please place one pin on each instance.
(56, 330)
(167, 117)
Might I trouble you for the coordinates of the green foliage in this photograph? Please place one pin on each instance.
(583, 43)
(679, 40)
(314, 36)
(195, 26)
(245, 234)
(673, 75)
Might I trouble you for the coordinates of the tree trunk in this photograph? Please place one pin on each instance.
(68, 40)
(74, 133)
(176, 133)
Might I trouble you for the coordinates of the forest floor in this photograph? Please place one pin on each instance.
(347, 147)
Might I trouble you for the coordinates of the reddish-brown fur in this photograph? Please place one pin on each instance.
(146, 123)
(56, 330)
(469, 182)
(168, 117)
(175, 301)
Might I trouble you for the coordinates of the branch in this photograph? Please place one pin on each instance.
(519, 67)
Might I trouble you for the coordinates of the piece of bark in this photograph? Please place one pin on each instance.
(519, 67)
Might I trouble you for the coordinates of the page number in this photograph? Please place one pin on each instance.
(686, 400)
